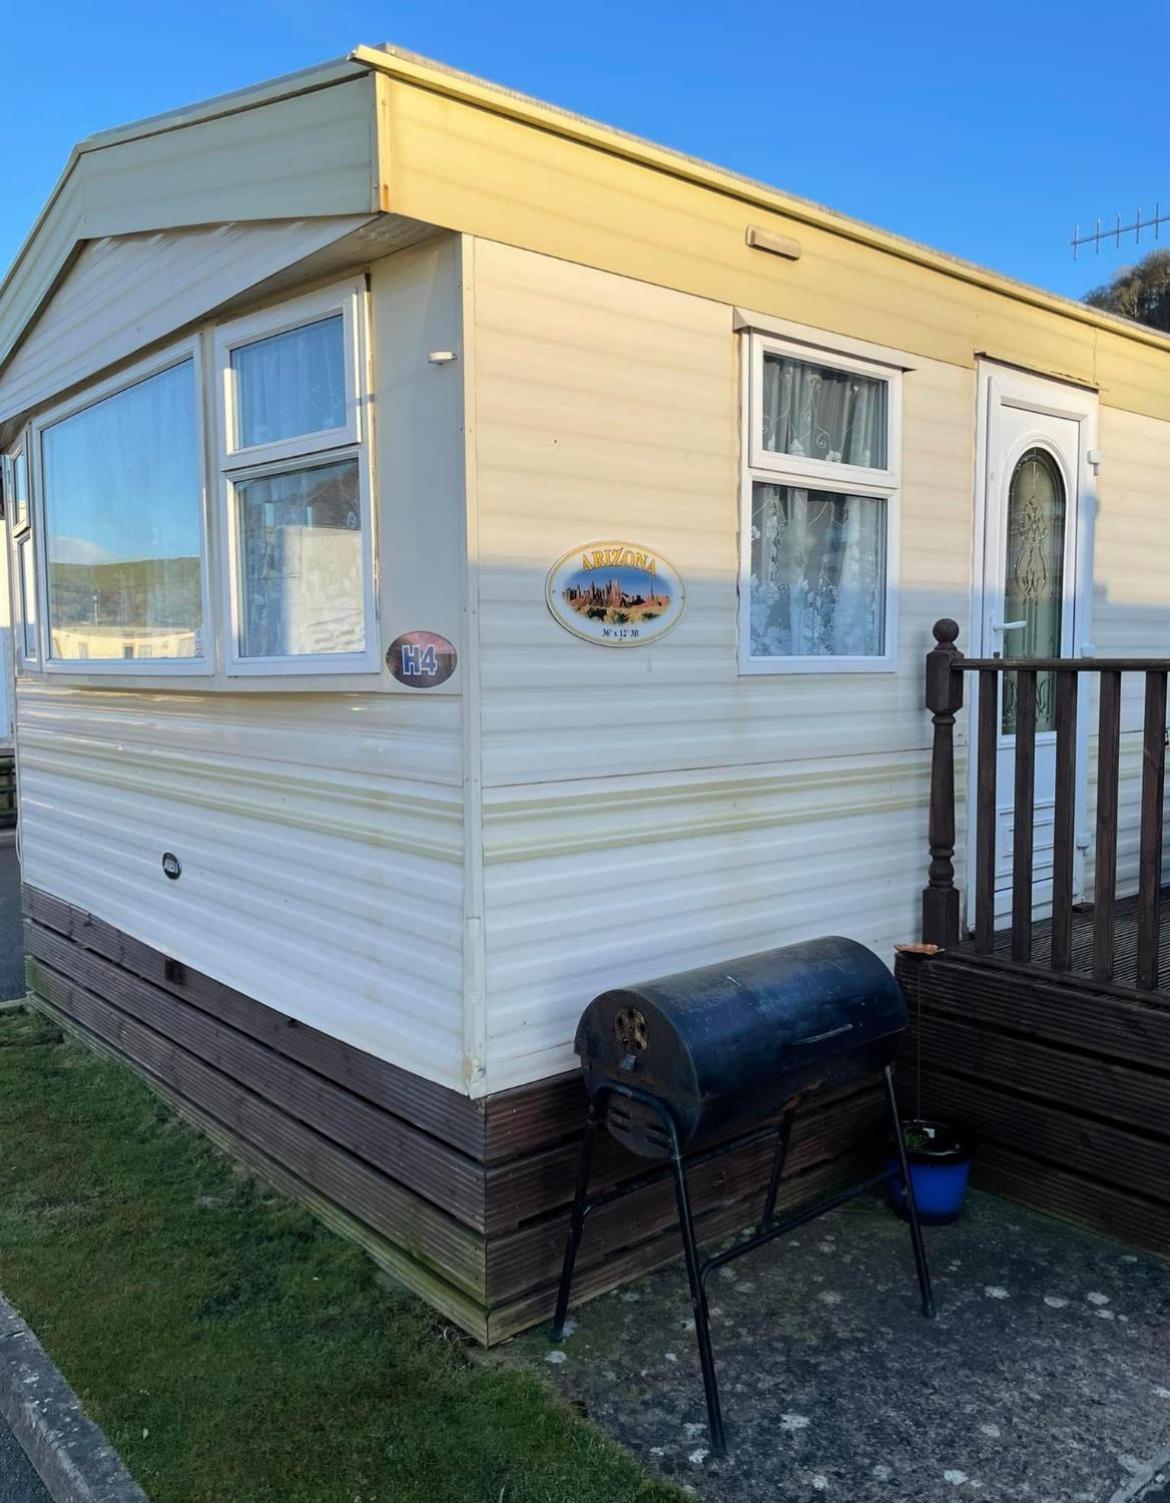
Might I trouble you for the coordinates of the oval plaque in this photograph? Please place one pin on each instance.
(615, 594)
(421, 659)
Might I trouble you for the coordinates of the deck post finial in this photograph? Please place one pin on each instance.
(944, 697)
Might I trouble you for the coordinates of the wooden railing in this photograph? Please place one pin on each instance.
(946, 668)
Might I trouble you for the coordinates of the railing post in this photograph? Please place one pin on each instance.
(944, 697)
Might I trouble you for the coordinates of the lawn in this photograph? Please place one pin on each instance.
(230, 1346)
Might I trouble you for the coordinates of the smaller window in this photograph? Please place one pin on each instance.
(26, 589)
(300, 547)
(20, 513)
(812, 411)
(819, 529)
(24, 584)
(296, 488)
(290, 384)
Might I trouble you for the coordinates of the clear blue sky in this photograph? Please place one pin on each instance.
(984, 129)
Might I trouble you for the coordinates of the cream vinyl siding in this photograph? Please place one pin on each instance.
(320, 837)
(648, 809)
(125, 292)
(321, 834)
(1131, 598)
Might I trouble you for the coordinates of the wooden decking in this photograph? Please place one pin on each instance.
(1065, 1080)
(1080, 973)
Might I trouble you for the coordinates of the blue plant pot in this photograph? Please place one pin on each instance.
(938, 1169)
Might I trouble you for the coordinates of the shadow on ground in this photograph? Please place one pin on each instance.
(1044, 1379)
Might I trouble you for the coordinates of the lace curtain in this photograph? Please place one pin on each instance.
(818, 577)
(291, 384)
(814, 412)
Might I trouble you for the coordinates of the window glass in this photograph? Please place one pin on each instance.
(290, 384)
(122, 500)
(818, 573)
(816, 412)
(19, 492)
(300, 547)
(26, 567)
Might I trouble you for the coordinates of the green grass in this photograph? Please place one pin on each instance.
(230, 1346)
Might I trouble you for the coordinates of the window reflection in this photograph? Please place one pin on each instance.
(123, 527)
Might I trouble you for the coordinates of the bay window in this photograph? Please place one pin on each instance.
(819, 520)
(295, 488)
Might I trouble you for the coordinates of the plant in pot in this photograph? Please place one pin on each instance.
(939, 1158)
(938, 1154)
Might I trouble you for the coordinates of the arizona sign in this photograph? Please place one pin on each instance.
(615, 594)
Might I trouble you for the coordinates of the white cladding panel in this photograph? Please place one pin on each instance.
(124, 292)
(1131, 604)
(650, 808)
(320, 838)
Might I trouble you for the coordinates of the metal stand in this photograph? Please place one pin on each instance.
(698, 1271)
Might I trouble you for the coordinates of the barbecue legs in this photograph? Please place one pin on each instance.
(911, 1203)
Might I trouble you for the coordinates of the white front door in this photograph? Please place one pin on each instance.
(1035, 588)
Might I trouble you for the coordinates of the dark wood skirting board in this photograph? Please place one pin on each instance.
(465, 1201)
(1068, 1091)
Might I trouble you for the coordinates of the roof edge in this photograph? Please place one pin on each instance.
(437, 77)
(303, 81)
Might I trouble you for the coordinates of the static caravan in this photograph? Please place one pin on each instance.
(466, 558)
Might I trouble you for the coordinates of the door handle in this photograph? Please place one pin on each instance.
(1001, 626)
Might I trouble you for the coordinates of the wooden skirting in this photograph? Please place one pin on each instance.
(464, 1201)
(1068, 1091)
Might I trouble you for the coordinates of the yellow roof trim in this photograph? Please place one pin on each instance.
(437, 78)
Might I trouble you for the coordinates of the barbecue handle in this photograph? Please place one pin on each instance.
(819, 1038)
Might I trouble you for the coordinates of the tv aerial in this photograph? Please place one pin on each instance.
(1099, 236)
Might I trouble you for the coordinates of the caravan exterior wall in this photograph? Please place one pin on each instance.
(654, 809)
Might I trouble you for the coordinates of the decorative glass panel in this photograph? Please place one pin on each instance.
(291, 384)
(816, 412)
(301, 562)
(27, 584)
(1034, 578)
(123, 524)
(818, 573)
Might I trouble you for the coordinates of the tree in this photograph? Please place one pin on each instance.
(1141, 292)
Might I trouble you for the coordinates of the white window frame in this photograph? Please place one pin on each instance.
(195, 667)
(238, 463)
(21, 535)
(765, 466)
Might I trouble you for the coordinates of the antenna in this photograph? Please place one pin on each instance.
(1115, 231)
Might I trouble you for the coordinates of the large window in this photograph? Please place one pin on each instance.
(123, 525)
(819, 523)
(296, 488)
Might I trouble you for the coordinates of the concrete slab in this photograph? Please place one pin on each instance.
(1044, 1379)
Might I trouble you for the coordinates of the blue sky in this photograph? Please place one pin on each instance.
(986, 130)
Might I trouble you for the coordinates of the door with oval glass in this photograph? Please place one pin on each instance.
(1036, 584)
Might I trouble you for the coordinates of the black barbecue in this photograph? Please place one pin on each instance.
(709, 1060)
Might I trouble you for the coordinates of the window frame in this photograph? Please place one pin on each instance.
(767, 467)
(195, 667)
(20, 536)
(237, 463)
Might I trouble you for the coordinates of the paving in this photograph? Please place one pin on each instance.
(1044, 1379)
(18, 1482)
